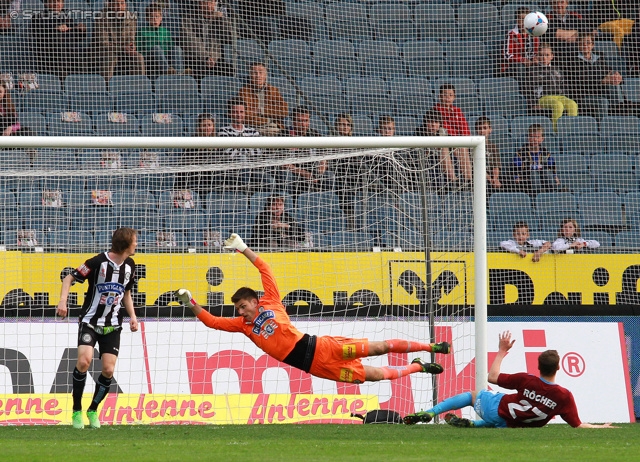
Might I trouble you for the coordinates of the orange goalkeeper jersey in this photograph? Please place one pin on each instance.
(271, 330)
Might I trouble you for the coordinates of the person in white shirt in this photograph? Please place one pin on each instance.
(522, 242)
(569, 239)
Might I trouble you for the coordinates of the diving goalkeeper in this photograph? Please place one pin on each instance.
(265, 321)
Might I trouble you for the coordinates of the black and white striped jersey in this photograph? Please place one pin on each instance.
(240, 154)
(107, 284)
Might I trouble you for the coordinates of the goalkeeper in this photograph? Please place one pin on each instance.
(265, 321)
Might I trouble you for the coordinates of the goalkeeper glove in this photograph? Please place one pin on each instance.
(185, 297)
(235, 242)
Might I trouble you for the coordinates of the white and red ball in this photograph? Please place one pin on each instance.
(535, 24)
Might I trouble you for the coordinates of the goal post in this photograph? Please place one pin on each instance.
(284, 151)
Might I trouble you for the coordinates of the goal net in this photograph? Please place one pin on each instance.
(366, 240)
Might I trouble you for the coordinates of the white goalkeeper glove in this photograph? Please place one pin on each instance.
(185, 297)
(235, 242)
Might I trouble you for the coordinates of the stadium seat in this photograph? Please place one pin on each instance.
(286, 88)
(105, 127)
(628, 240)
(362, 126)
(380, 58)
(367, 95)
(424, 58)
(458, 210)
(601, 210)
(58, 127)
(344, 241)
(8, 211)
(293, 56)
(92, 218)
(246, 52)
(553, 207)
(410, 96)
(573, 172)
(48, 97)
(631, 203)
(506, 209)
(52, 159)
(335, 58)
(177, 94)
(580, 135)
(436, 21)
(466, 94)
(186, 222)
(621, 133)
(140, 218)
(310, 20)
(520, 126)
(631, 89)
(468, 59)
(481, 20)
(150, 128)
(324, 95)
(35, 122)
(611, 54)
(613, 172)
(392, 21)
(348, 21)
(132, 94)
(406, 125)
(87, 93)
(216, 91)
(319, 212)
(381, 222)
(44, 218)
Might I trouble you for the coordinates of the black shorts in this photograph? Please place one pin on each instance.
(109, 343)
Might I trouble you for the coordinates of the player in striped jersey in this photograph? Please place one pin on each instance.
(111, 276)
(266, 322)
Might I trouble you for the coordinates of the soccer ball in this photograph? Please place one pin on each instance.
(535, 24)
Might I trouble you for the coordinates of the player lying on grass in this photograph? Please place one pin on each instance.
(537, 401)
(265, 321)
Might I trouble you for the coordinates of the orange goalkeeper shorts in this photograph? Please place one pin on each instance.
(337, 358)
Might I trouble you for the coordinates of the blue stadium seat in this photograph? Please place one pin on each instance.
(348, 21)
(104, 127)
(611, 54)
(53, 159)
(481, 20)
(381, 221)
(44, 218)
(362, 126)
(621, 133)
(344, 241)
(140, 218)
(311, 13)
(92, 218)
(286, 88)
(501, 97)
(8, 211)
(631, 203)
(631, 89)
(132, 94)
(424, 58)
(87, 93)
(324, 95)
(58, 127)
(380, 58)
(367, 95)
(48, 97)
(177, 94)
(436, 21)
(613, 172)
(216, 91)
(410, 96)
(573, 172)
(11, 239)
(335, 58)
(468, 59)
(506, 209)
(166, 202)
(520, 126)
(553, 207)
(247, 52)
(458, 209)
(149, 128)
(293, 56)
(392, 21)
(601, 209)
(580, 135)
(319, 212)
(406, 125)
(187, 222)
(628, 240)
(411, 205)
(34, 121)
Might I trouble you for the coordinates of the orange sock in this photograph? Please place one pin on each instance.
(391, 373)
(406, 346)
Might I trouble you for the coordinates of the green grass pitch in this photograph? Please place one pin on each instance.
(318, 443)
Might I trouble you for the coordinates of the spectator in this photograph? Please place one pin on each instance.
(546, 87)
(591, 79)
(246, 177)
(204, 33)
(441, 169)
(614, 17)
(534, 166)
(454, 121)
(155, 43)
(274, 228)
(348, 172)
(522, 242)
(9, 22)
(564, 25)
(520, 48)
(310, 176)
(569, 239)
(492, 153)
(58, 43)
(386, 126)
(115, 41)
(8, 116)
(200, 181)
(265, 106)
